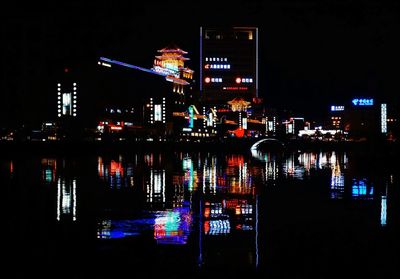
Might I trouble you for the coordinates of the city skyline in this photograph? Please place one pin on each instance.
(311, 54)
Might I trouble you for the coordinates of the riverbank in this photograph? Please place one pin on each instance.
(382, 148)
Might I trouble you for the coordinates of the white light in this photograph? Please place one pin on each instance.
(74, 114)
(74, 84)
(383, 118)
(59, 84)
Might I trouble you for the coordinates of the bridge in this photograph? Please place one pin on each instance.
(275, 143)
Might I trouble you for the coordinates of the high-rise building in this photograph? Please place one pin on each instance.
(228, 64)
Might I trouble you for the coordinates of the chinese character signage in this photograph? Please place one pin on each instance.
(363, 102)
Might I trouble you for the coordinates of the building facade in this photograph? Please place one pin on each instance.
(228, 64)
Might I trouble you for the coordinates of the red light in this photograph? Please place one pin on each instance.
(207, 80)
(66, 70)
(238, 80)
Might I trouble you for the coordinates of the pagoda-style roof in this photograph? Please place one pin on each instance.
(185, 69)
(172, 56)
(172, 49)
(238, 104)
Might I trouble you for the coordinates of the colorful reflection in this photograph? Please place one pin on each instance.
(238, 176)
(337, 182)
(229, 214)
(111, 229)
(173, 226)
(362, 189)
(49, 171)
(116, 173)
(190, 176)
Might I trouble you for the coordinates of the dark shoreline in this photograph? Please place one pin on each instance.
(379, 148)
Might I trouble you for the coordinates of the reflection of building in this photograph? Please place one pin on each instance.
(155, 187)
(228, 64)
(361, 189)
(173, 226)
(49, 170)
(337, 182)
(115, 173)
(66, 199)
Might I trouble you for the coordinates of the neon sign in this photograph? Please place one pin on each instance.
(191, 117)
(337, 108)
(363, 102)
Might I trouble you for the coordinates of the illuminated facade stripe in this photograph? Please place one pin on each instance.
(257, 62)
(201, 59)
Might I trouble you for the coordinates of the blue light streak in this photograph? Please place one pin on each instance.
(131, 66)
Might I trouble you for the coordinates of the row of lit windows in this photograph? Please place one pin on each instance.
(336, 117)
(217, 66)
(217, 59)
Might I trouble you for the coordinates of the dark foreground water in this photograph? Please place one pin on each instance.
(204, 215)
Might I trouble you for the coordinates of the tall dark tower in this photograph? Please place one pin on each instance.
(228, 64)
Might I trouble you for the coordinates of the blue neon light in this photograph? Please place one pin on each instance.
(362, 189)
(363, 102)
(131, 66)
(191, 117)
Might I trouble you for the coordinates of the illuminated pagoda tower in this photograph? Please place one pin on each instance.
(171, 62)
(166, 88)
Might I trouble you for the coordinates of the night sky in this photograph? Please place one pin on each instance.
(312, 53)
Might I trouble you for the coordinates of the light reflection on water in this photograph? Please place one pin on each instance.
(227, 185)
(201, 199)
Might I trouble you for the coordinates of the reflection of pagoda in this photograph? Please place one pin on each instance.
(171, 62)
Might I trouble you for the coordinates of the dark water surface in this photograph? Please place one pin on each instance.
(174, 214)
